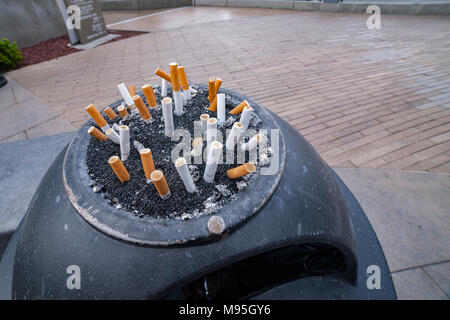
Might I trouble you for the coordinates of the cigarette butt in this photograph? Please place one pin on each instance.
(174, 76)
(163, 75)
(110, 113)
(119, 169)
(166, 106)
(252, 143)
(212, 89)
(233, 137)
(213, 106)
(204, 120)
(132, 90)
(147, 162)
(145, 114)
(183, 78)
(149, 95)
(245, 118)
(93, 131)
(211, 131)
(95, 114)
(217, 84)
(126, 95)
(214, 155)
(160, 183)
(112, 134)
(122, 111)
(241, 170)
(238, 109)
(197, 145)
(124, 135)
(185, 175)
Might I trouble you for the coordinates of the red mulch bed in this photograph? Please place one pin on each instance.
(57, 47)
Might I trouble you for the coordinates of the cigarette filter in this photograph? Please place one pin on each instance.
(149, 95)
(234, 135)
(178, 102)
(204, 119)
(221, 108)
(183, 78)
(164, 85)
(214, 154)
(93, 131)
(185, 175)
(238, 109)
(110, 113)
(147, 163)
(145, 114)
(211, 131)
(122, 111)
(174, 76)
(119, 169)
(113, 135)
(126, 95)
(163, 75)
(160, 183)
(245, 117)
(132, 90)
(217, 84)
(166, 105)
(95, 114)
(124, 142)
(252, 143)
(212, 89)
(241, 170)
(197, 146)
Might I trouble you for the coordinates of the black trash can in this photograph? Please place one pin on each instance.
(296, 234)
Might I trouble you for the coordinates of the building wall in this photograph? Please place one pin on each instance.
(30, 21)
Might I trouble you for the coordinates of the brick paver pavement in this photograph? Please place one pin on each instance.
(363, 98)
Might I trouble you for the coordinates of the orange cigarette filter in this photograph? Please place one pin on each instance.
(147, 162)
(183, 78)
(213, 106)
(95, 114)
(238, 109)
(212, 89)
(110, 113)
(241, 170)
(93, 131)
(119, 169)
(132, 90)
(160, 182)
(122, 111)
(174, 76)
(217, 84)
(142, 107)
(163, 74)
(149, 95)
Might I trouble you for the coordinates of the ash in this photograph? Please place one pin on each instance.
(141, 198)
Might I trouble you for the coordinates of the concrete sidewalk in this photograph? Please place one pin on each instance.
(26, 117)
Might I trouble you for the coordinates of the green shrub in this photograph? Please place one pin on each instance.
(10, 56)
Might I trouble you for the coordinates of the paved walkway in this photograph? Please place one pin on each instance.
(26, 117)
(363, 98)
